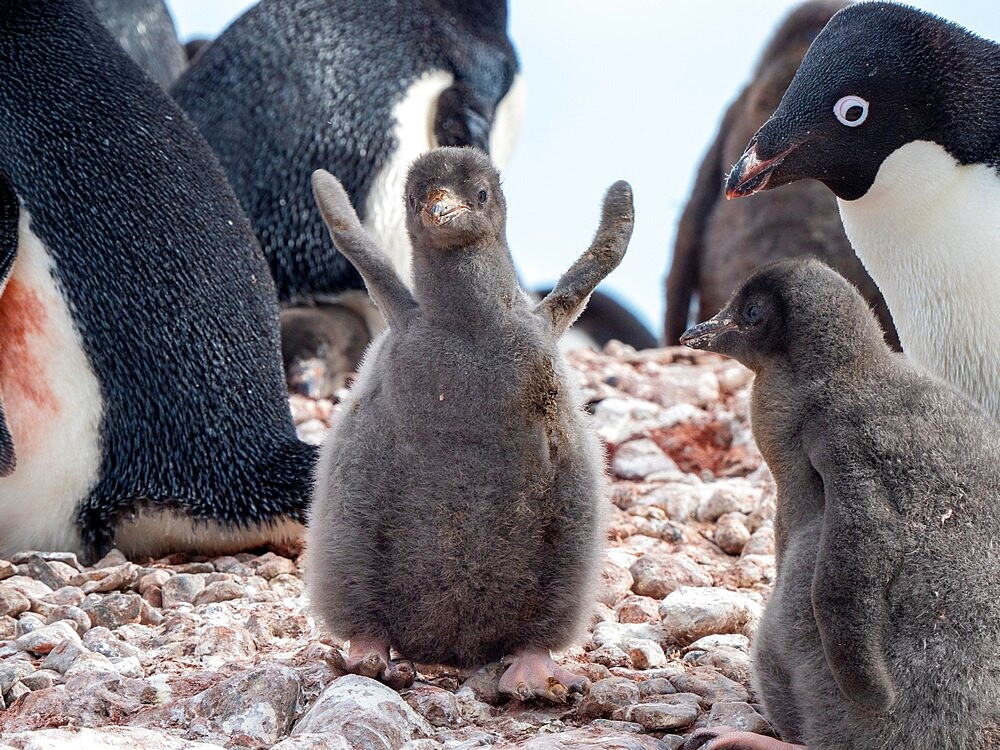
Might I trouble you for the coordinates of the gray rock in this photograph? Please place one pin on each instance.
(610, 655)
(17, 690)
(254, 708)
(614, 585)
(753, 570)
(656, 686)
(80, 619)
(637, 459)
(40, 570)
(711, 686)
(114, 610)
(156, 577)
(645, 654)
(366, 712)
(41, 679)
(728, 498)
(638, 609)
(66, 558)
(588, 738)
(181, 588)
(34, 590)
(8, 628)
(440, 707)
(669, 712)
(737, 715)
(733, 640)
(270, 565)
(691, 613)
(105, 738)
(115, 578)
(733, 663)
(13, 670)
(42, 640)
(27, 623)
(731, 533)
(61, 658)
(761, 542)
(88, 663)
(679, 500)
(609, 697)
(225, 643)
(219, 591)
(12, 601)
(66, 595)
(102, 641)
(657, 574)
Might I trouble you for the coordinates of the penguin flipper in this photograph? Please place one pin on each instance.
(858, 554)
(385, 287)
(10, 211)
(565, 303)
(461, 119)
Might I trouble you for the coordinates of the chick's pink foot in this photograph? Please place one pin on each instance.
(369, 657)
(727, 738)
(531, 673)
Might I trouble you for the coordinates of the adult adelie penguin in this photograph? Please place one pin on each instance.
(357, 88)
(719, 243)
(143, 403)
(883, 626)
(895, 111)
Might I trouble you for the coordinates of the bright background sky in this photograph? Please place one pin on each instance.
(629, 89)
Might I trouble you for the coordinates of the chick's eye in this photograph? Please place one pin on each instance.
(482, 197)
(752, 313)
(851, 111)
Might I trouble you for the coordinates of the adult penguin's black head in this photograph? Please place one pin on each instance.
(454, 200)
(878, 76)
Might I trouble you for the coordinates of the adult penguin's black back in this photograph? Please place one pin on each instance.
(139, 360)
(357, 87)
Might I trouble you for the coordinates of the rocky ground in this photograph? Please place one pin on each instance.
(207, 653)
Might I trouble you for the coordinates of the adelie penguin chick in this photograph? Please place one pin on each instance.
(883, 627)
(321, 347)
(458, 515)
(719, 243)
(895, 111)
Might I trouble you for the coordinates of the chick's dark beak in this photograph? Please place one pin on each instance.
(442, 207)
(702, 335)
(751, 174)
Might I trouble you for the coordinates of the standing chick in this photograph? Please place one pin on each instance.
(883, 627)
(458, 515)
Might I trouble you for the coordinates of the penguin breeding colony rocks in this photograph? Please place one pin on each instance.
(146, 31)
(719, 243)
(895, 111)
(360, 88)
(883, 626)
(459, 506)
(143, 403)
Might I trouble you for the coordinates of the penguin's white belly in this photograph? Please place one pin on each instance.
(928, 231)
(414, 115)
(53, 406)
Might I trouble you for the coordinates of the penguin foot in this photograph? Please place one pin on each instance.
(531, 673)
(369, 657)
(727, 738)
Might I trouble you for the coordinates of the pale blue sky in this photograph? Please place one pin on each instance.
(630, 89)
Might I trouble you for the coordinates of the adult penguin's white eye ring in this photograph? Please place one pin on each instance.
(851, 111)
